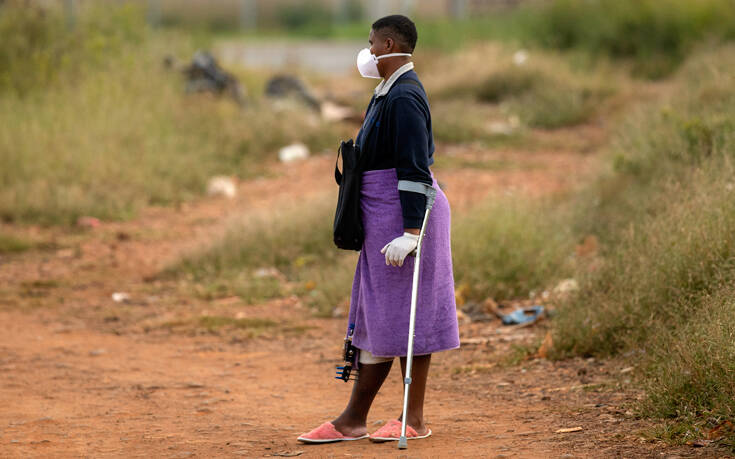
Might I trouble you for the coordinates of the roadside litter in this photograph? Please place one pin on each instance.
(121, 297)
(222, 186)
(523, 315)
(204, 74)
(293, 152)
(282, 87)
(489, 310)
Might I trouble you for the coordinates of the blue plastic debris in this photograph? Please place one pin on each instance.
(523, 315)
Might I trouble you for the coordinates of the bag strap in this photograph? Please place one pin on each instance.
(337, 173)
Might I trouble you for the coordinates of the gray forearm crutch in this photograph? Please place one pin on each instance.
(430, 192)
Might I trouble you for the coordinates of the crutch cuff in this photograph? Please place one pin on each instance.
(421, 188)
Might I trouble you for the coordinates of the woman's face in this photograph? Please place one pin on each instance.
(373, 45)
(379, 45)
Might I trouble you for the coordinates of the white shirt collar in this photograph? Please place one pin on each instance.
(385, 85)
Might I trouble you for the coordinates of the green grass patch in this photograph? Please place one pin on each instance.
(511, 82)
(251, 326)
(41, 284)
(13, 244)
(652, 36)
(505, 248)
(123, 134)
(476, 163)
(288, 251)
(41, 47)
(465, 121)
(214, 323)
(519, 353)
(665, 213)
(545, 91)
(693, 371)
(560, 104)
(655, 35)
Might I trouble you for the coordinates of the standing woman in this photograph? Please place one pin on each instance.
(396, 137)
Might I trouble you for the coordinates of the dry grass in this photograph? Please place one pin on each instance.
(666, 217)
(123, 135)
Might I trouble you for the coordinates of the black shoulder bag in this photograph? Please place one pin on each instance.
(349, 232)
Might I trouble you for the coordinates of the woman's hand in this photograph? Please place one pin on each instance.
(398, 249)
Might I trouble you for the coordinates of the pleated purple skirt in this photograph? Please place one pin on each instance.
(381, 294)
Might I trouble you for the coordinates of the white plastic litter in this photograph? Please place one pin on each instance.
(566, 286)
(120, 297)
(222, 186)
(520, 57)
(333, 112)
(293, 152)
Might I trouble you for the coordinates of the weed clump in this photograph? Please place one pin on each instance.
(13, 244)
(544, 92)
(92, 124)
(505, 250)
(40, 45)
(287, 252)
(665, 215)
(656, 35)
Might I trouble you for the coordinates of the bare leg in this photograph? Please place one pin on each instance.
(419, 375)
(352, 421)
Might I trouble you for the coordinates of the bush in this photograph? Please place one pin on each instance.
(287, 252)
(121, 140)
(656, 274)
(121, 134)
(311, 17)
(662, 144)
(512, 82)
(666, 215)
(692, 375)
(656, 34)
(546, 95)
(506, 249)
(12, 244)
(39, 46)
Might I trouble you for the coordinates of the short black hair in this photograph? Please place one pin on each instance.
(400, 28)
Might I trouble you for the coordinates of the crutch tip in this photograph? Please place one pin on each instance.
(402, 443)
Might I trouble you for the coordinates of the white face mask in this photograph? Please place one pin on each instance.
(367, 63)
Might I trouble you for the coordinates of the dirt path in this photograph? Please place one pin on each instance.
(84, 376)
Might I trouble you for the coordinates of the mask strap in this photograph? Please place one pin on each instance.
(393, 54)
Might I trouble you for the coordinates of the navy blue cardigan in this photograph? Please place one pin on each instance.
(401, 140)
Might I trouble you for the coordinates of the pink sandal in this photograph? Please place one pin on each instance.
(326, 433)
(392, 431)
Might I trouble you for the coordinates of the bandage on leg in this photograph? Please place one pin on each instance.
(368, 358)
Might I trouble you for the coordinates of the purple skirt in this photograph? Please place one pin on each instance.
(381, 294)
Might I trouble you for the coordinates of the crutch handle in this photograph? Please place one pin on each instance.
(430, 193)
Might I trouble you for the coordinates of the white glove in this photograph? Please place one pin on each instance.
(396, 250)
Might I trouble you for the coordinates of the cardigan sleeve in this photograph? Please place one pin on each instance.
(411, 140)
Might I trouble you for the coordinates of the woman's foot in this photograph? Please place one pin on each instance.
(327, 433)
(392, 431)
(350, 428)
(416, 424)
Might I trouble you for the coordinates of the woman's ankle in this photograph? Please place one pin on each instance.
(417, 422)
(350, 426)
